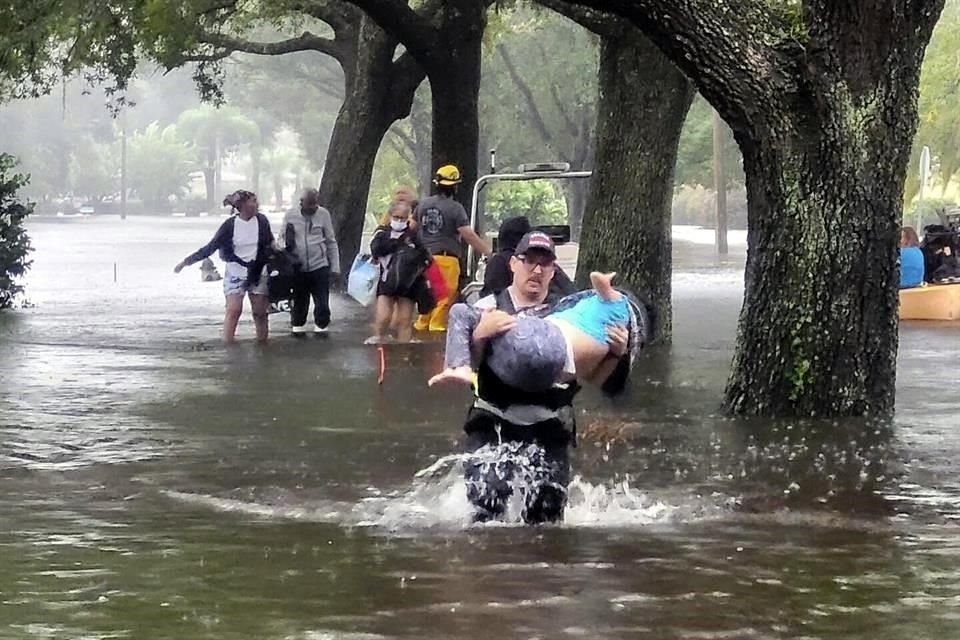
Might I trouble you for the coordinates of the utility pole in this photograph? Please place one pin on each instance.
(123, 163)
(924, 178)
(720, 184)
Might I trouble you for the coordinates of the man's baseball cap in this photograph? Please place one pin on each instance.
(536, 240)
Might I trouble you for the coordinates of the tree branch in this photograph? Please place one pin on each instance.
(600, 23)
(528, 98)
(554, 93)
(340, 15)
(202, 57)
(408, 74)
(304, 42)
(403, 144)
(412, 29)
(732, 52)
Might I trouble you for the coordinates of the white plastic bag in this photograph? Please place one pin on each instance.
(362, 282)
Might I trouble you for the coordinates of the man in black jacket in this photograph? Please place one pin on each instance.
(498, 275)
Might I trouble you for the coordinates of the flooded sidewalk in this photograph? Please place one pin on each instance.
(154, 484)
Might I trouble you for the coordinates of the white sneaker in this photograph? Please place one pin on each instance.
(301, 329)
(317, 329)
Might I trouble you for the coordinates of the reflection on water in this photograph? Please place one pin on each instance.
(156, 485)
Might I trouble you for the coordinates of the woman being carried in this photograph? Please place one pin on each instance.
(535, 353)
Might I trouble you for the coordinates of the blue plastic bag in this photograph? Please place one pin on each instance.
(362, 282)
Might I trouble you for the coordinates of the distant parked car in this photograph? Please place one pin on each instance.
(87, 209)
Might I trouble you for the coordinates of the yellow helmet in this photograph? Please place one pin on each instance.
(448, 176)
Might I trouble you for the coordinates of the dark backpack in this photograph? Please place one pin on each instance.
(406, 266)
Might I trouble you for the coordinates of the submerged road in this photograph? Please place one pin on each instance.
(156, 485)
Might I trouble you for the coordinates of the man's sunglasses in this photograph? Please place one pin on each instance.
(543, 261)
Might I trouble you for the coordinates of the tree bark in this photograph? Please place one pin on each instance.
(818, 327)
(454, 74)
(379, 91)
(823, 107)
(446, 38)
(643, 103)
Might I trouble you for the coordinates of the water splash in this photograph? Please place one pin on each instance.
(437, 499)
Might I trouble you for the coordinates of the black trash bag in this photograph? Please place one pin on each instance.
(281, 269)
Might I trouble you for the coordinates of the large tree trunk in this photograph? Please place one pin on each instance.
(454, 73)
(378, 92)
(818, 328)
(822, 102)
(643, 103)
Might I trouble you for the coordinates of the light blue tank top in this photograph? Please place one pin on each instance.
(593, 315)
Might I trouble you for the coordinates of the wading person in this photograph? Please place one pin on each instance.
(245, 243)
(312, 245)
(442, 223)
(502, 413)
(402, 261)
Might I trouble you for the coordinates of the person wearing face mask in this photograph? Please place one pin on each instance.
(403, 259)
(312, 245)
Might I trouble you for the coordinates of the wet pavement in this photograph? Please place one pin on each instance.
(154, 484)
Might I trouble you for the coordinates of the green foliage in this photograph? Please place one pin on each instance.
(14, 242)
(790, 17)
(44, 41)
(159, 165)
(95, 169)
(539, 200)
(279, 165)
(695, 153)
(216, 131)
(697, 205)
(938, 104)
(556, 61)
(391, 169)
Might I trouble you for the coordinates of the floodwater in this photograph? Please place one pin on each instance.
(154, 484)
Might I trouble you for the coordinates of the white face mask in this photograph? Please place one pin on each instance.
(398, 225)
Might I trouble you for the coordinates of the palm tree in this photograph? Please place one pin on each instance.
(159, 164)
(214, 132)
(278, 165)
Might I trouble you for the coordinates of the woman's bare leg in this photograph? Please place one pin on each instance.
(382, 315)
(231, 316)
(259, 305)
(403, 319)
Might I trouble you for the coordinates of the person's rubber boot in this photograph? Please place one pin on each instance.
(318, 329)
